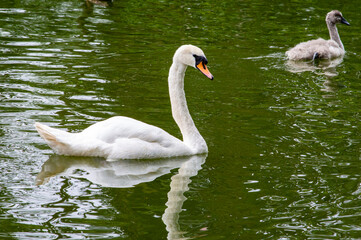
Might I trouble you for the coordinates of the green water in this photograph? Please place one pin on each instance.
(284, 141)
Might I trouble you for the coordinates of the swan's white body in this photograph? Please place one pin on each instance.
(115, 138)
(326, 49)
(127, 138)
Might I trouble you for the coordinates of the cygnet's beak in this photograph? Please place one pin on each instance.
(203, 68)
(343, 20)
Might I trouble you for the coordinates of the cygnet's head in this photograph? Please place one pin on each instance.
(335, 16)
(193, 56)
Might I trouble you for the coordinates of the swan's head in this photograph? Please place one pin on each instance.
(192, 56)
(335, 16)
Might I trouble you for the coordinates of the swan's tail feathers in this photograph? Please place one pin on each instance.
(55, 138)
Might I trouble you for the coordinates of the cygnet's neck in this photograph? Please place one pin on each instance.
(334, 33)
(180, 112)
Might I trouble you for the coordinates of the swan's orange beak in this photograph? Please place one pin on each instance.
(203, 68)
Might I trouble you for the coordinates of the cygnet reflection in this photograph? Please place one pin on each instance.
(322, 67)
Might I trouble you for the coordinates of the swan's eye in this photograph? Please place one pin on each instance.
(200, 59)
(197, 58)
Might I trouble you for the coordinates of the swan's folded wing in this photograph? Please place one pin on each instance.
(117, 128)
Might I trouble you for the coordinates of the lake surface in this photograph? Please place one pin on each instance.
(284, 156)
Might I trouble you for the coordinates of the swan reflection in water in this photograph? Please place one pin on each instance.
(104, 3)
(129, 173)
(326, 67)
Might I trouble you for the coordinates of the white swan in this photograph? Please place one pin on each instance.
(127, 138)
(321, 48)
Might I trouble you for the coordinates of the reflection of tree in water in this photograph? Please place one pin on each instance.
(129, 173)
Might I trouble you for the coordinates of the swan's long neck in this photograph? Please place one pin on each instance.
(334, 33)
(180, 112)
